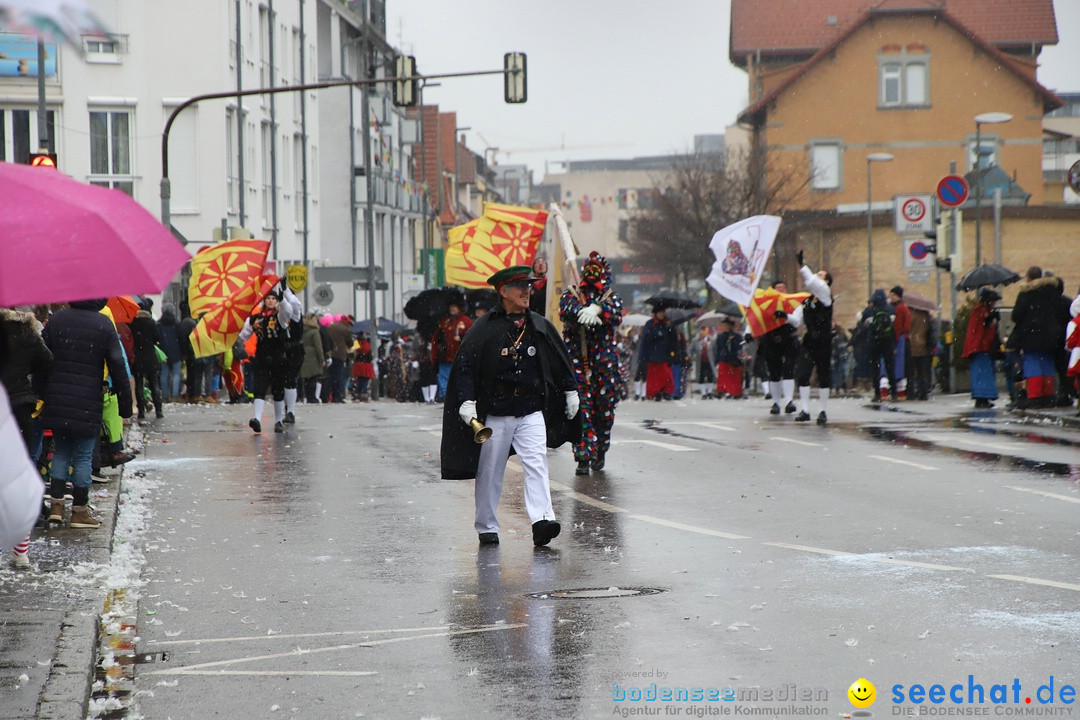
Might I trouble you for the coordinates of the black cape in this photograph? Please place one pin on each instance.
(479, 351)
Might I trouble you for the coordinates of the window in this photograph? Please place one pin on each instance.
(267, 189)
(110, 150)
(19, 133)
(298, 180)
(903, 80)
(102, 50)
(986, 156)
(183, 160)
(232, 182)
(825, 165)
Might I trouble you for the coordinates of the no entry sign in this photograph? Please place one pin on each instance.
(952, 191)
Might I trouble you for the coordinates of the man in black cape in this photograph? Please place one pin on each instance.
(513, 374)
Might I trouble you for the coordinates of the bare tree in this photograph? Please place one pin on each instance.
(706, 193)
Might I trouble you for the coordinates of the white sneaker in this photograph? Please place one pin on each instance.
(20, 562)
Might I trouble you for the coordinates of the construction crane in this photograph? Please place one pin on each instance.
(496, 151)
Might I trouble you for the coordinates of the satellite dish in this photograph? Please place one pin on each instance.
(323, 295)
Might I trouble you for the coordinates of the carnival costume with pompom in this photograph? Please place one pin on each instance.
(589, 334)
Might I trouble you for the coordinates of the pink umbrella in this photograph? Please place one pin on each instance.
(63, 240)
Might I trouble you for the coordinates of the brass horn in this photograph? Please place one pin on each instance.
(481, 432)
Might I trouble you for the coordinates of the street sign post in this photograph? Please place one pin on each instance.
(952, 190)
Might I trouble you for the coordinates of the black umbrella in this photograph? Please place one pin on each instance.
(674, 299)
(675, 315)
(386, 326)
(485, 298)
(434, 302)
(986, 275)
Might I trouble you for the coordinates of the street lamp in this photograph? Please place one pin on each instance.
(871, 158)
(990, 118)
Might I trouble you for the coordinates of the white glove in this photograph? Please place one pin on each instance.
(572, 403)
(467, 411)
(589, 315)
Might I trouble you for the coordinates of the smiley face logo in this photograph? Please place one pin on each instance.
(862, 693)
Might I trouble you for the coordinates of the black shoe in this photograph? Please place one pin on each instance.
(803, 416)
(489, 538)
(821, 419)
(544, 531)
(159, 415)
(598, 463)
(255, 425)
(582, 468)
(279, 427)
(290, 419)
(774, 410)
(789, 408)
(768, 396)
(983, 403)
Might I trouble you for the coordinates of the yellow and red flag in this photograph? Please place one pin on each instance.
(505, 235)
(220, 270)
(759, 316)
(219, 327)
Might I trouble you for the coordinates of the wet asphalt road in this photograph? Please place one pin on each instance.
(328, 573)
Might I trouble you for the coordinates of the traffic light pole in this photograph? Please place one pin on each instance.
(166, 189)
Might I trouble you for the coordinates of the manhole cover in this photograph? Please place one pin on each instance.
(595, 593)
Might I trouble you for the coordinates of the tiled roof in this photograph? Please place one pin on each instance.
(805, 26)
(1050, 100)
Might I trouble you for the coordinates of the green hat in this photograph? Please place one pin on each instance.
(512, 274)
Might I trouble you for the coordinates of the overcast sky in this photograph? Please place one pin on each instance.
(606, 78)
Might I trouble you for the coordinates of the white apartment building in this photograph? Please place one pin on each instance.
(287, 168)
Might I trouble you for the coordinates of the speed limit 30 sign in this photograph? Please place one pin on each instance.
(913, 214)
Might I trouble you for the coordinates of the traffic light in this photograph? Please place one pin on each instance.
(405, 90)
(43, 159)
(943, 263)
(514, 87)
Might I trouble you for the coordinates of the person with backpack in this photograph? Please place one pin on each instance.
(881, 341)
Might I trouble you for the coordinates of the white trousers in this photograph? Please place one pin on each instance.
(528, 435)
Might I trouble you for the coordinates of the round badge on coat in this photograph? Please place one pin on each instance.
(531, 350)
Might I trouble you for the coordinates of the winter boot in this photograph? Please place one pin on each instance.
(56, 510)
(81, 518)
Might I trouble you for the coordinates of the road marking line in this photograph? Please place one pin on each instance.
(796, 442)
(1037, 581)
(1055, 496)
(713, 425)
(807, 548)
(689, 528)
(903, 462)
(585, 499)
(293, 636)
(200, 668)
(667, 446)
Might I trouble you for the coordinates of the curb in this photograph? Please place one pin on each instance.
(66, 693)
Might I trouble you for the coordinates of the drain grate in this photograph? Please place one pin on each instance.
(595, 593)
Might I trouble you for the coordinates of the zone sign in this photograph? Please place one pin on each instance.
(912, 213)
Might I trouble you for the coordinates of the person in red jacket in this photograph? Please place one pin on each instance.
(446, 341)
(980, 345)
(901, 328)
